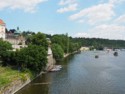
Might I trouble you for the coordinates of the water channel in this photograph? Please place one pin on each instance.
(83, 74)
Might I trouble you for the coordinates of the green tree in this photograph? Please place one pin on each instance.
(98, 43)
(61, 40)
(33, 57)
(74, 47)
(58, 52)
(38, 39)
(5, 52)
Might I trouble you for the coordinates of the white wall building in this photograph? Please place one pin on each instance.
(2, 29)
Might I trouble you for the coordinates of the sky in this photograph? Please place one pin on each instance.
(78, 18)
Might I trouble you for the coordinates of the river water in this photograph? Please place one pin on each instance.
(83, 74)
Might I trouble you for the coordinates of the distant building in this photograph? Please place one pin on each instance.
(2, 29)
(84, 48)
(15, 38)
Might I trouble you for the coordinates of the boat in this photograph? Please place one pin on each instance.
(56, 68)
(96, 56)
(115, 53)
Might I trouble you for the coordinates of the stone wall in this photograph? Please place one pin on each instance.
(51, 62)
(14, 86)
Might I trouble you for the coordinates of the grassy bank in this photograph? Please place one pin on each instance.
(8, 75)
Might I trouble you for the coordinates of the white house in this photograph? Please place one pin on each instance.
(2, 29)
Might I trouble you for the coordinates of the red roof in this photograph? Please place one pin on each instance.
(1, 22)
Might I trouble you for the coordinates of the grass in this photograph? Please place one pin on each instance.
(8, 75)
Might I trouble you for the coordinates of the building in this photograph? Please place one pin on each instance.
(12, 36)
(15, 38)
(2, 29)
(84, 49)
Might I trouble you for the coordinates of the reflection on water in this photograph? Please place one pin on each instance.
(83, 74)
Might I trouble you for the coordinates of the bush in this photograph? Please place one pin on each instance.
(58, 52)
(33, 57)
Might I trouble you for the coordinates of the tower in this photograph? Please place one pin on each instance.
(2, 29)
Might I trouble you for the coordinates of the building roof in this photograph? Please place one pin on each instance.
(2, 22)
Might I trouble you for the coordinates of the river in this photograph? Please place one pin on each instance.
(83, 74)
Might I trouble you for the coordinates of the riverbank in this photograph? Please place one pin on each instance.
(68, 54)
(12, 80)
(83, 74)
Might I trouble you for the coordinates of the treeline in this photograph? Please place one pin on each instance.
(62, 44)
(98, 43)
(34, 56)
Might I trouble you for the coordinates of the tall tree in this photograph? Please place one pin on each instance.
(33, 57)
(58, 52)
(38, 39)
(5, 48)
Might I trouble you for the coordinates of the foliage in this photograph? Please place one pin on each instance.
(62, 40)
(96, 43)
(38, 39)
(4, 45)
(8, 75)
(74, 47)
(58, 52)
(27, 33)
(33, 57)
(67, 43)
(20, 43)
(5, 52)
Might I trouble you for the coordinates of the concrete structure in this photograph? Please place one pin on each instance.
(84, 48)
(49, 51)
(2, 29)
(51, 60)
(16, 39)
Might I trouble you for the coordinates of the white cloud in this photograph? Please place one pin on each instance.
(71, 7)
(81, 21)
(120, 19)
(109, 31)
(82, 34)
(94, 14)
(116, 1)
(102, 12)
(105, 31)
(65, 2)
(26, 5)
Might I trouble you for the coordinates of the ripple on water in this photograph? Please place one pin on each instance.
(83, 74)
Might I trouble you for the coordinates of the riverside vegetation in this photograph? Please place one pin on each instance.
(33, 59)
(8, 75)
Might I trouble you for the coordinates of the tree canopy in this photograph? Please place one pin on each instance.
(33, 57)
(58, 52)
(100, 43)
(5, 52)
(38, 39)
(67, 43)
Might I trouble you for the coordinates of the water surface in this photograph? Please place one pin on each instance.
(83, 74)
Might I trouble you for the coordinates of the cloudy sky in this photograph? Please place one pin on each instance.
(79, 18)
